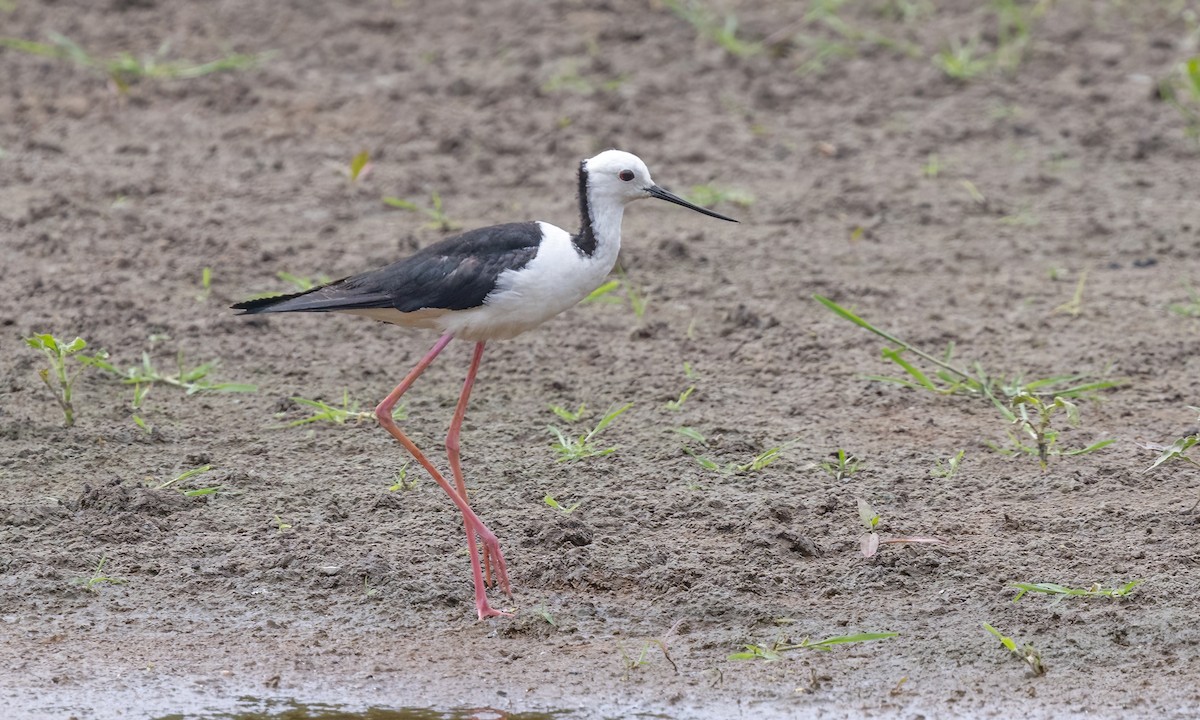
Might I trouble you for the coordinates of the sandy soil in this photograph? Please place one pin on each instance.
(306, 577)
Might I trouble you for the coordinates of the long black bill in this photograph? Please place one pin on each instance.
(656, 191)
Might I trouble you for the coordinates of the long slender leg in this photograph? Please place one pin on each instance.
(491, 557)
(474, 525)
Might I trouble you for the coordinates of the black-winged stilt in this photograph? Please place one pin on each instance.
(489, 284)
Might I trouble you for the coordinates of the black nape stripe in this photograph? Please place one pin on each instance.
(585, 240)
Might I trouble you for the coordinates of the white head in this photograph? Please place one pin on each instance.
(618, 176)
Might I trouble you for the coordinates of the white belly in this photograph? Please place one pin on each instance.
(557, 278)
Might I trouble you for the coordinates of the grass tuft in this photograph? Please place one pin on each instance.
(124, 69)
(572, 448)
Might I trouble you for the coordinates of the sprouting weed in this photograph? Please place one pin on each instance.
(402, 481)
(677, 404)
(948, 468)
(1027, 653)
(961, 61)
(63, 384)
(1191, 308)
(1059, 592)
(98, 577)
(123, 69)
(191, 380)
(1074, 306)
(841, 465)
(339, 415)
(570, 448)
(775, 650)
(1037, 425)
(571, 416)
(711, 195)
(606, 294)
(438, 219)
(565, 510)
(870, 541)
(187, 475)
(754, 464)
(722, 31)
(1181, 90)
(205, 284)
(1012, 398)
(360, 165)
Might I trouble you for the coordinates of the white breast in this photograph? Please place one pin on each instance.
(558, 277)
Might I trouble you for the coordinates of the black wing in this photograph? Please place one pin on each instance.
(453, 274)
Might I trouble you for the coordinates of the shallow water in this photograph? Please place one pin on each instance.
(274, 709)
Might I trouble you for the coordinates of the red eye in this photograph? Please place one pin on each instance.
(625, 175)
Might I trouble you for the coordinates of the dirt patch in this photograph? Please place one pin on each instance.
(945, 210)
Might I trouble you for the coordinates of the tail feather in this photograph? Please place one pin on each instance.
(326, 298)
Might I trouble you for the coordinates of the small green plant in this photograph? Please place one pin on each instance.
(1027, 653)
(299, 283)
(1074, 306)
(756, 463)
(99, 578)
(205, 285)
(402, 481)
(1191, 308)
(870, 520)
(544, 614)
(123, 69)
(437, 217)
(775, 650)
(187, 475)
(1176, 451)
(932, 167)
(570, 448)
(870, 541)
(62, 387)
(191, 380)
(279, 525)
(302, 282)
(633, 295)
(338, 414)
(840, 464)
(571, 416)
(961, 62)
(1037, 425)
(360, 165)
(824, 16)
(1012, 398)
(1181, 90)
(722, 31)
(1059, 592)
(976, 196)
(550, 501)
(948, 468)
(677, 404)
(710, 195)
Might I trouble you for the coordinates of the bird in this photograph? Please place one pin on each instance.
(491, 283)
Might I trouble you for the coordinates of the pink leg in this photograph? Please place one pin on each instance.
(474, 525)
(491, 556)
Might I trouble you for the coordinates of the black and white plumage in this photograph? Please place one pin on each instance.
(499, 281)
(488, 284)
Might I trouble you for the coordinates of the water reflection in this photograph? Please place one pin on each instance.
(257, 709)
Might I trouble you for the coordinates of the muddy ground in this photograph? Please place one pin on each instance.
(947, 211)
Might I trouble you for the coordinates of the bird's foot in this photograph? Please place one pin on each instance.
(486, 610)
(493, 561)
